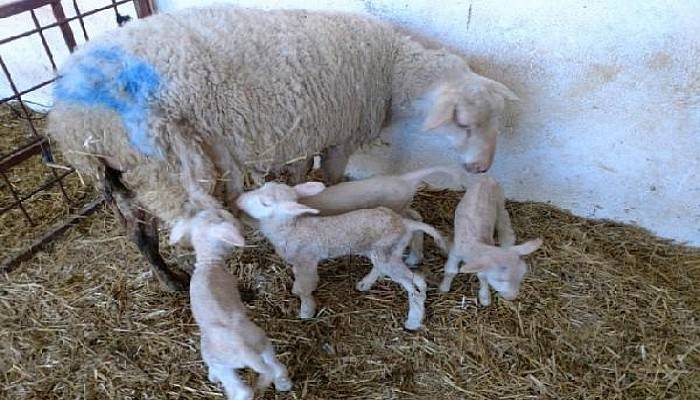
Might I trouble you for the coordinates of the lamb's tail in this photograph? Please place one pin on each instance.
(416, 177)
(420, 226)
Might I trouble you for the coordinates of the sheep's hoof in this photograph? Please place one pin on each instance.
(307, 312)
(484, 301)
(444, 287)
(363, 286)
(213, 378)
(412, 326)
(283, 384)
(412, 260)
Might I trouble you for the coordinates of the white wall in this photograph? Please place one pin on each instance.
(609, 122)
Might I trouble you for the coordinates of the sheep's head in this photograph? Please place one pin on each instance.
(468, 109)
(212, 233)
(277, 200)
(502, 268)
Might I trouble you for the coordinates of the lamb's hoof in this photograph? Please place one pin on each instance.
(444, 287)
(412, 326)
(363, 286)
(307, 312)
(413, 260)
(213, 378)
(484, 301)
(283, 384)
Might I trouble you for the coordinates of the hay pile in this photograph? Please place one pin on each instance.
(45, 208)
(608, 311)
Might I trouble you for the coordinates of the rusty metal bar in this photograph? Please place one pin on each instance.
(144, 8)
(18, 200)
(11, 262)
(64, 21)
(45, 148)
(43, 40)
(22, 93)
(17, 156)
(60, 16)
(16, 7)
(80, 19)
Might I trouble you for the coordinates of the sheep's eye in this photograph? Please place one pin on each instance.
(467, 128)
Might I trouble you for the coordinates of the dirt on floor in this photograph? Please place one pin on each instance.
(607, 311)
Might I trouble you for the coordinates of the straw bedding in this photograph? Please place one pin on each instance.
(607, 311)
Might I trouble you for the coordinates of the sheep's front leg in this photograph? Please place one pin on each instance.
(234, 387)
(415, 255)
(280, 376)
(305, 283)
(451, 270)
(416, 289)
(369, 280)
(484, 290)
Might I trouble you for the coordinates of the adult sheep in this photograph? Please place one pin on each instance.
(170, 113)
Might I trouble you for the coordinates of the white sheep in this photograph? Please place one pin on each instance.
(481, 212)
(229, 339)
(175, 110)
(395, 192)
(304, 241)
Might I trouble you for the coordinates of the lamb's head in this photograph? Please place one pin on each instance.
(503, 268)
(278, 201)
(468, 108)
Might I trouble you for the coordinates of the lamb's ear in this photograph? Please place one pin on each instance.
(526, 248)
(227, 233)
(309, 188)
(294, 209)
(179, 231)
(501, 89)
(442, 111)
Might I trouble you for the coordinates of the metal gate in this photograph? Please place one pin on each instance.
(36, 145)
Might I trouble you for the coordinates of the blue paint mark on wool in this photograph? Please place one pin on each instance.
(111, 78)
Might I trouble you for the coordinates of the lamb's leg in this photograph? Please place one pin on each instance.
(234, 387)
(504, 228)
(415, 287)
(451, 270)
(369, 280)
(334, 160)
(142, 229)
(280, 376)
(484, 291)
(415, 255)
(305, 282)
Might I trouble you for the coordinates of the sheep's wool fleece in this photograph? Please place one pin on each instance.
(202, 96)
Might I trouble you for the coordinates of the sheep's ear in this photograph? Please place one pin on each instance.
(226, 233)
(292, 208)
(309, 188)
(526, 248)
(501, 89)
(442, 111)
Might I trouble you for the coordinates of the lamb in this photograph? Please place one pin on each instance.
(304, 241)
(229, 340)
(395, 192)
(480, 212)
(171, 114)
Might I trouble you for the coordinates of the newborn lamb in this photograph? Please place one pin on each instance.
(229, 340)
(480, 212)
(304, 241)
(392, 191)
